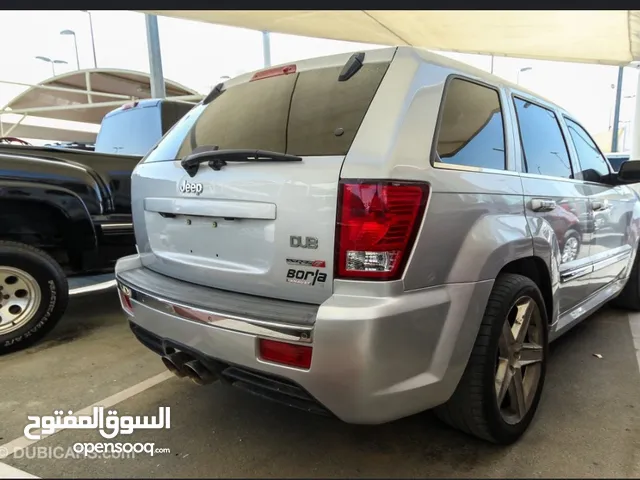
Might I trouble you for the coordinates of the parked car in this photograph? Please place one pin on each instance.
(67, 213)
(90, 147)
(373, 235)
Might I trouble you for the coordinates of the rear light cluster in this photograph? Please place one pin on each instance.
(125, 299)
(377, 226)
(285, 353)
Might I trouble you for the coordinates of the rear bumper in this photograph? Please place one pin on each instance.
(375, 359)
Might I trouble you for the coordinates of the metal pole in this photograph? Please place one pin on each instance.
(88, 91)
(53, 68)
(155, 57)
(93, 41)
(15, 125)
(266, 49)
(635, 139)
(75, 41)
(616, 112)
(492, 63)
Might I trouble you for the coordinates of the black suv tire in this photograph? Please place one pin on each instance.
(53, 298)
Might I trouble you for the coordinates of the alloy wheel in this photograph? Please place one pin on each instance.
(519, 363)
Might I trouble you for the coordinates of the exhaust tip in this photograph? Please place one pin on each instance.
(198, 373)
(175, 363)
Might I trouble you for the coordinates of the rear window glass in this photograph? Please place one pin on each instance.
(309, 113)
(130, 132)
(471, 129)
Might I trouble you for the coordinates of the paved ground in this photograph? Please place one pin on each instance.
(588, 424)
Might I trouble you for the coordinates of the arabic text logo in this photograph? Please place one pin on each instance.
(109, 426)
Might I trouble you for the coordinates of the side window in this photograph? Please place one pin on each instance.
(471, 130)
(592, 163)
(545, 151)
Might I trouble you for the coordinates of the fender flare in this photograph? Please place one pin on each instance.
(79, 230)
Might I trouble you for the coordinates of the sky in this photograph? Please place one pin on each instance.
(197, 54)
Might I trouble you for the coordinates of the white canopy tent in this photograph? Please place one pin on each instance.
(83, 96)
(610, 37)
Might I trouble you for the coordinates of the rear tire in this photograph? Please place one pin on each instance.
(629, 298)
(33, 295)
(474, 407)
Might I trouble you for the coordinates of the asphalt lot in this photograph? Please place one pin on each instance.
(588, 423)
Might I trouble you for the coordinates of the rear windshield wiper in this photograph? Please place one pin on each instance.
(219, 158)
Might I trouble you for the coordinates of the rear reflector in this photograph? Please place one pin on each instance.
(274, 72)
(125, 299)
(377, 226)
(285, 353)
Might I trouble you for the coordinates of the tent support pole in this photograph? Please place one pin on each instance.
(635, 132)
(616, 112)
(155, 57)
(266, 49)
(8, 132)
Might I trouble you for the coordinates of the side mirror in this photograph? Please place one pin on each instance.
(629, 172)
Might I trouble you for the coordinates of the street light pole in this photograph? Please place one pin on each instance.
(52, 62)
(93, 42)
(75, 42)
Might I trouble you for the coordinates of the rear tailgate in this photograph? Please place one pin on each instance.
(257, 228)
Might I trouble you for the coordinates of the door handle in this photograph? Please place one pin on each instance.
(542, 205)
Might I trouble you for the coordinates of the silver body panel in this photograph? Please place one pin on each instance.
(381, 350)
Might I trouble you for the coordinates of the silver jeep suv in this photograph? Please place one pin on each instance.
(371, 235)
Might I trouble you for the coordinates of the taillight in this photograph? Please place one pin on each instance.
(376, 228)
(285, 353)
(273, 72)
(125, 299)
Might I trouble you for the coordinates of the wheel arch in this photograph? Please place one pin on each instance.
(46, 207)
(535, 268)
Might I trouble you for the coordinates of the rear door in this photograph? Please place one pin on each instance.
(612, 208)
(557, 203)
(258, 228)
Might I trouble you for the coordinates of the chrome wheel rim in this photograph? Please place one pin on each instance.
(520, 357)
(570, 251)
(20, 297)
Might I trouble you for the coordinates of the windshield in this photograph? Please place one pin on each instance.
(310, 113)
(130, 132)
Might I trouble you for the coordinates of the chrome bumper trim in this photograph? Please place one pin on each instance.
(99, 287)
(260, 328)
(116, 226)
